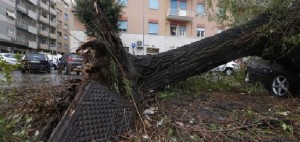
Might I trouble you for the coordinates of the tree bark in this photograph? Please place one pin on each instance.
(154, 72)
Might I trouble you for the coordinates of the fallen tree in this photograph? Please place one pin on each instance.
(108, 63)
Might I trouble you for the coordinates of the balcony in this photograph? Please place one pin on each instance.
(43, 45)
(53, 23)
(22, 25)
(35, 2)
(32, 44)
(22, 9)
(53, 11)
(32, 29)
(44, 5)
(44, 19)
(32, 14)
(22, 41)
(44, 33)
(53, 47)
(53, 35)
(180, 15)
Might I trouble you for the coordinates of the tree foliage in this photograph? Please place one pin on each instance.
(238, 12)
(87, 15)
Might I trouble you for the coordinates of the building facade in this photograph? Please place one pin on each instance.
(63, 26)
(8, 24)
(154, 26)
(162, 25)
(34, 25)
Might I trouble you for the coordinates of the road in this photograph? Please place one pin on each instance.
(37, 79)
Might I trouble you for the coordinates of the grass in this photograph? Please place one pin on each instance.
(212, 81)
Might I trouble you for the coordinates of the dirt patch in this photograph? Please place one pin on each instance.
(217, 116)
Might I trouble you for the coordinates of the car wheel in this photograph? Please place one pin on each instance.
(228, 71)
(280, 85)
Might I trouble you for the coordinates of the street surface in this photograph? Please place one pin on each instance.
(36, 79)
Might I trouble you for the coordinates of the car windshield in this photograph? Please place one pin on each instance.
(35, 57)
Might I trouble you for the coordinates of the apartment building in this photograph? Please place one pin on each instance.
(34, 25)
(161, 25)
(7, 23)
(154, 26)
(63, 26)
(26, 24)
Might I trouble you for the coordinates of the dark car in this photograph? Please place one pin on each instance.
(35, 62)
(279, 76)
(70, 62)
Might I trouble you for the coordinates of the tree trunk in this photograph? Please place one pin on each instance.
(154, 72)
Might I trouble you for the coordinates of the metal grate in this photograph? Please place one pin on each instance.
(100, 115)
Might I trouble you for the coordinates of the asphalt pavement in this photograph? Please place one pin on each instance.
(36, 79)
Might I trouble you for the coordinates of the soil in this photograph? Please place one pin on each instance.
(205, 116)
(219, 116)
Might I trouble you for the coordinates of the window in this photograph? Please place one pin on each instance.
(200, 9)
(123, 25)
(153, 4)
(52, 30)
(65, 36)
(58, 45)
(200, 32)
(65, 26)
(183, 5)
(43, 40)
(44, 1)
(66, 46)
(52, 43)
(66, 5)
(59, 33)
(182, 30)
(59, 22)
(10, 32)
(173, 30)
(123, 2)
(66, 16)
(153, 28)
(59, 11)
(52, 19)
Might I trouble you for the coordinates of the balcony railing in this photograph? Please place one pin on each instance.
(44, 19)
(180, 14)
(32, 44)
(53, 11)
(35, 2)
(32, 14)
(43, 5)
(22, 25)
(53, 23)
(53, 35)
(32, 29)
(43, 45)
(22, 9)
(22, 41)
(44, 33)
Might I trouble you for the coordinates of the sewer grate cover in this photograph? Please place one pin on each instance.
(99, 115)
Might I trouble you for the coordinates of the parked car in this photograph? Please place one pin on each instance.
(227, 68)
(10, 58)
(70, 62)
(279, 76)
(36, 62)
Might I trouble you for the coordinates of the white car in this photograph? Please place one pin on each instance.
(10, 58)
(227, 68)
